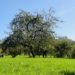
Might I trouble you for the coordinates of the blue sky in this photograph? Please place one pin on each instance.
(65, 10)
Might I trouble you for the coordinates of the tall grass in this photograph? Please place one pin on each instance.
(36, 66)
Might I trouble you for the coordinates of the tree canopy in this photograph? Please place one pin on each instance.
(33, 34)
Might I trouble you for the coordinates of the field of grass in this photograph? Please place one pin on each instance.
(36, 66)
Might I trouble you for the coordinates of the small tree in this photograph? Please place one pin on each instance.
(63, 47)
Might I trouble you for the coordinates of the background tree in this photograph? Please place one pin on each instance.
(63, 47)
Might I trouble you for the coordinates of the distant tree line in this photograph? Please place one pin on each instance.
(33, 34)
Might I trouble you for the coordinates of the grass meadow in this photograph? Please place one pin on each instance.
(36, 66)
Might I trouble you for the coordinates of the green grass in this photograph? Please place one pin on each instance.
(36, 66)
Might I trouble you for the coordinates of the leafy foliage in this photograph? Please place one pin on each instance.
(33, 34)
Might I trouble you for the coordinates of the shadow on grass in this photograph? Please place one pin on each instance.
(67, 73)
